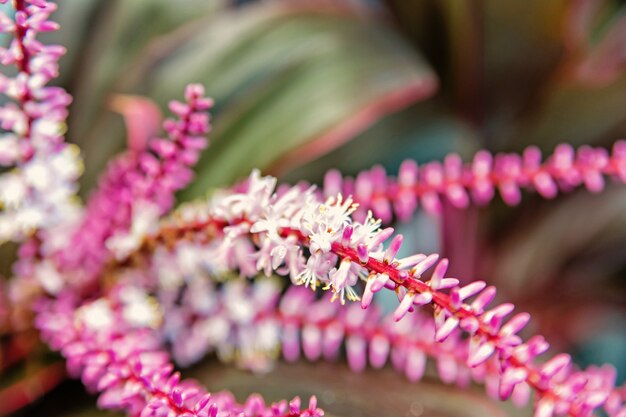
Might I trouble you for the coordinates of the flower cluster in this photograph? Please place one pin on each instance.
(127, 365)
(135, 190)
(138, 187)
(460, 183)
(290, 232)
(37, 191)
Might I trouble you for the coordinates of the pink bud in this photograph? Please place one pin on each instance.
(483, 299)
(291, 343)
(415, 364)
(362, 253)
(368, 294)
(555, 365)
(544, 408)
(312, 342)
(521, 394)
(333, 338)
(426, 264)
(356, 353)
(480, 354)
(471, 289)
(545, 185)
(379, 350)
(332, 183)
(407, 174)
(294, 405)
(448, 327)
(380, 237)
(410, 261)
(202, 403)
(403, 308)
(379, 282)
(447, 368)
(514, 325)
(423, 298)
(392, 251)
(469, 324)
(347, 235)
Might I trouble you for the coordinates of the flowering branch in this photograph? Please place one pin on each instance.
(251, 322)
(39, 192)
(131, 371)
(460, 183)
(138, 187)
(292, 233)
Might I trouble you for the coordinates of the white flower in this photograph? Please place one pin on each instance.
(30, 217)
(272, 223)
(215, 328)
(144, 221)
(324, 223)
(46, 128)
(139, 309)
(41, 193)
(317, 268)
(366, 231)
(13, 189)
(250, 203)
(341, 281)
(67, 164)
(8, 226)
(9, 149)
(97, 315)
(37, 174)
(49, 277)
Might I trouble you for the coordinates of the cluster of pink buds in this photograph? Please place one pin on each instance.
(139, 186)
(39, 170)
(127, 365)
(461, 183)
(135, 190)
(290, 232)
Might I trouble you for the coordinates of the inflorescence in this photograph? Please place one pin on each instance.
(114, 282)
(478, 181)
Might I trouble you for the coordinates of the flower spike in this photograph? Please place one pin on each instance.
(346, 251)
(38, 169)
(454, 181)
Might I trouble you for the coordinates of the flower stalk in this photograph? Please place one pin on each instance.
(37, 191)
(460, 184)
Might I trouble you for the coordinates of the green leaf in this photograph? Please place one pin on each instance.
(282, 78)
(424, 132)
(292, 81)
(104, 39)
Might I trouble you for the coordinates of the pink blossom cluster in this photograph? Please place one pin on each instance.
(135, 190)
(139, 186)
(236, 320)
(127, 365)
(316, 328)
(39, 170)
(319, 244)
(460, 183)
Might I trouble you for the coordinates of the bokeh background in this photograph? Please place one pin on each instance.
(304, 86)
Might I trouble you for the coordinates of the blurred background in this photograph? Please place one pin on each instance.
(304, 86)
